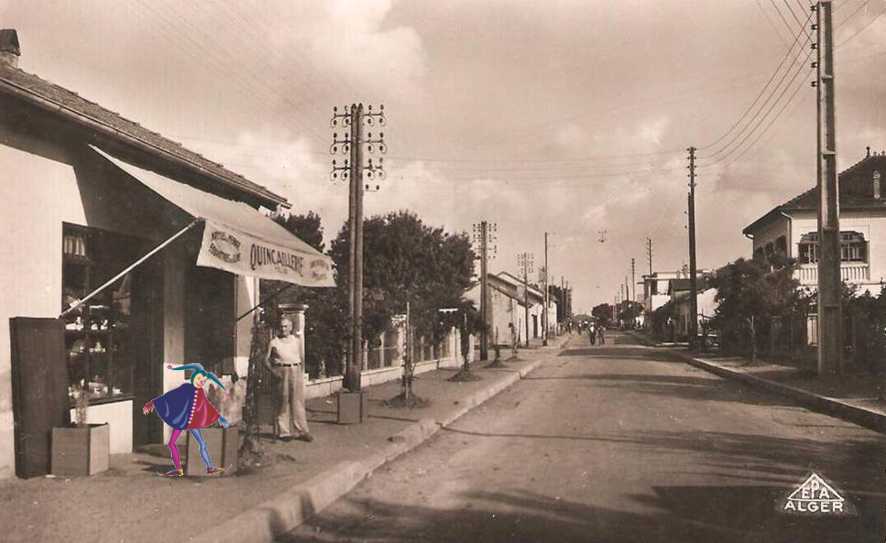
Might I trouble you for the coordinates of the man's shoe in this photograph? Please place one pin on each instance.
(175, 473)
(285, 438)
(306, 437)
(214, 470)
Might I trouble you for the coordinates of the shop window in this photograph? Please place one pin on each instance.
(97, 333)
(853, 247)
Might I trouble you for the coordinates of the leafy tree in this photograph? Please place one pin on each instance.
(749, 294)
(407, 260)
(603, 313)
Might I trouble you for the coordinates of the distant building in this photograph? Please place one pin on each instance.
(791, 229)
(507, 309)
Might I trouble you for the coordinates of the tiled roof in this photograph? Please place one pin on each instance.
(45, 93)
(856, 192)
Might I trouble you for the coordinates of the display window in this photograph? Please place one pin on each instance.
(99, 333)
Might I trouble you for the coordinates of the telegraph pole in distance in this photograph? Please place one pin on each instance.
(633, 281)
(352, 118)
(649, 253)
(693, 285)
(830, 332)
(544, 315)
(525, 260)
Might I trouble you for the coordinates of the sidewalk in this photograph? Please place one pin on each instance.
(131, 503)
(853, 397)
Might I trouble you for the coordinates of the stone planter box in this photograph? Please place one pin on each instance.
(79, 451)
(223, 445)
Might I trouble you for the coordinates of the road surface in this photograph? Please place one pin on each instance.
(619, 443)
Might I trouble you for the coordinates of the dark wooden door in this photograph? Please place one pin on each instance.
(146, 339)
(210, 319)
(39, 390)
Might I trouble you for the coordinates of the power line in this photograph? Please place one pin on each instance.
(759, 95)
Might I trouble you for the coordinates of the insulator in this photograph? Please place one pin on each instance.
(334, 149)
(377, 187)
(381, 107)
(335, 109)
(333, 163)
(369, 148)
(368, 120)
(813, 46)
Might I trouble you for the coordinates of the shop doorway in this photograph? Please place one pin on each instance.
(147, 349)
(210, 318)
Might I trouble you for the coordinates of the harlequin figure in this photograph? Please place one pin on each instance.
(188, 408)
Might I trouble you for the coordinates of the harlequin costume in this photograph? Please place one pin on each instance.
(187, 408)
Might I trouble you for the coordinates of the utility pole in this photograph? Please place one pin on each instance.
(693, 285)
(352, 118)
(830, 332)
(484, 236)
(525, 261)
(649, 253)
(544, 316)
(633, 281)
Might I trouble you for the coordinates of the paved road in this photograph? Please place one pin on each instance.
(618, 443)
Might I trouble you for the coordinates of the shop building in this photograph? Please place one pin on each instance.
(85, 194)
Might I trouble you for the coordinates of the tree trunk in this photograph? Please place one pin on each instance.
(251, 448)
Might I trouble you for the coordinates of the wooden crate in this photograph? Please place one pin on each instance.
(81, 451)
(223, 445)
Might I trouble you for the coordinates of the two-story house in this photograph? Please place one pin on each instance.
(791, 229)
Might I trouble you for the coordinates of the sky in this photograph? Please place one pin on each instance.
(570, 117)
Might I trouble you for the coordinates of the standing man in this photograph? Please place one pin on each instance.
(285, 361)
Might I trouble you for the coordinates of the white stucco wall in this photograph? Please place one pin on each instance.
(40, 189)
(871, 224)
(780, 226)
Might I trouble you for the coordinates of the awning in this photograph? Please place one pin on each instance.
(236, 237)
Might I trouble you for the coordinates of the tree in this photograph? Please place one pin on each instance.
(603, 313)
(749, 294)
(404, 259)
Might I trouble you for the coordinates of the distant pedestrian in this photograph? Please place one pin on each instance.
(592, 335)
(601, 334)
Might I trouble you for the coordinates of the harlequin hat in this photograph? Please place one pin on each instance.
(198, 369)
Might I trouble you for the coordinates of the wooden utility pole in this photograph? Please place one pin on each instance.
(525, 261)
(649, 253)
(484, 236)
(693, 284)
(830, 331)
(352, 142)
(544, 316)
(633, 281)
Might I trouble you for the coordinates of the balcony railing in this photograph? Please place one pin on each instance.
(850, 272)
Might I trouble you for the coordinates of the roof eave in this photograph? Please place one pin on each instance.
(266, 197)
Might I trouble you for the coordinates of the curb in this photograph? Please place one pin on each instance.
(293, 507)
(822, 404)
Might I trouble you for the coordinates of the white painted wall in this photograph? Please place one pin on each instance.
(780, 226)
(871, 224)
